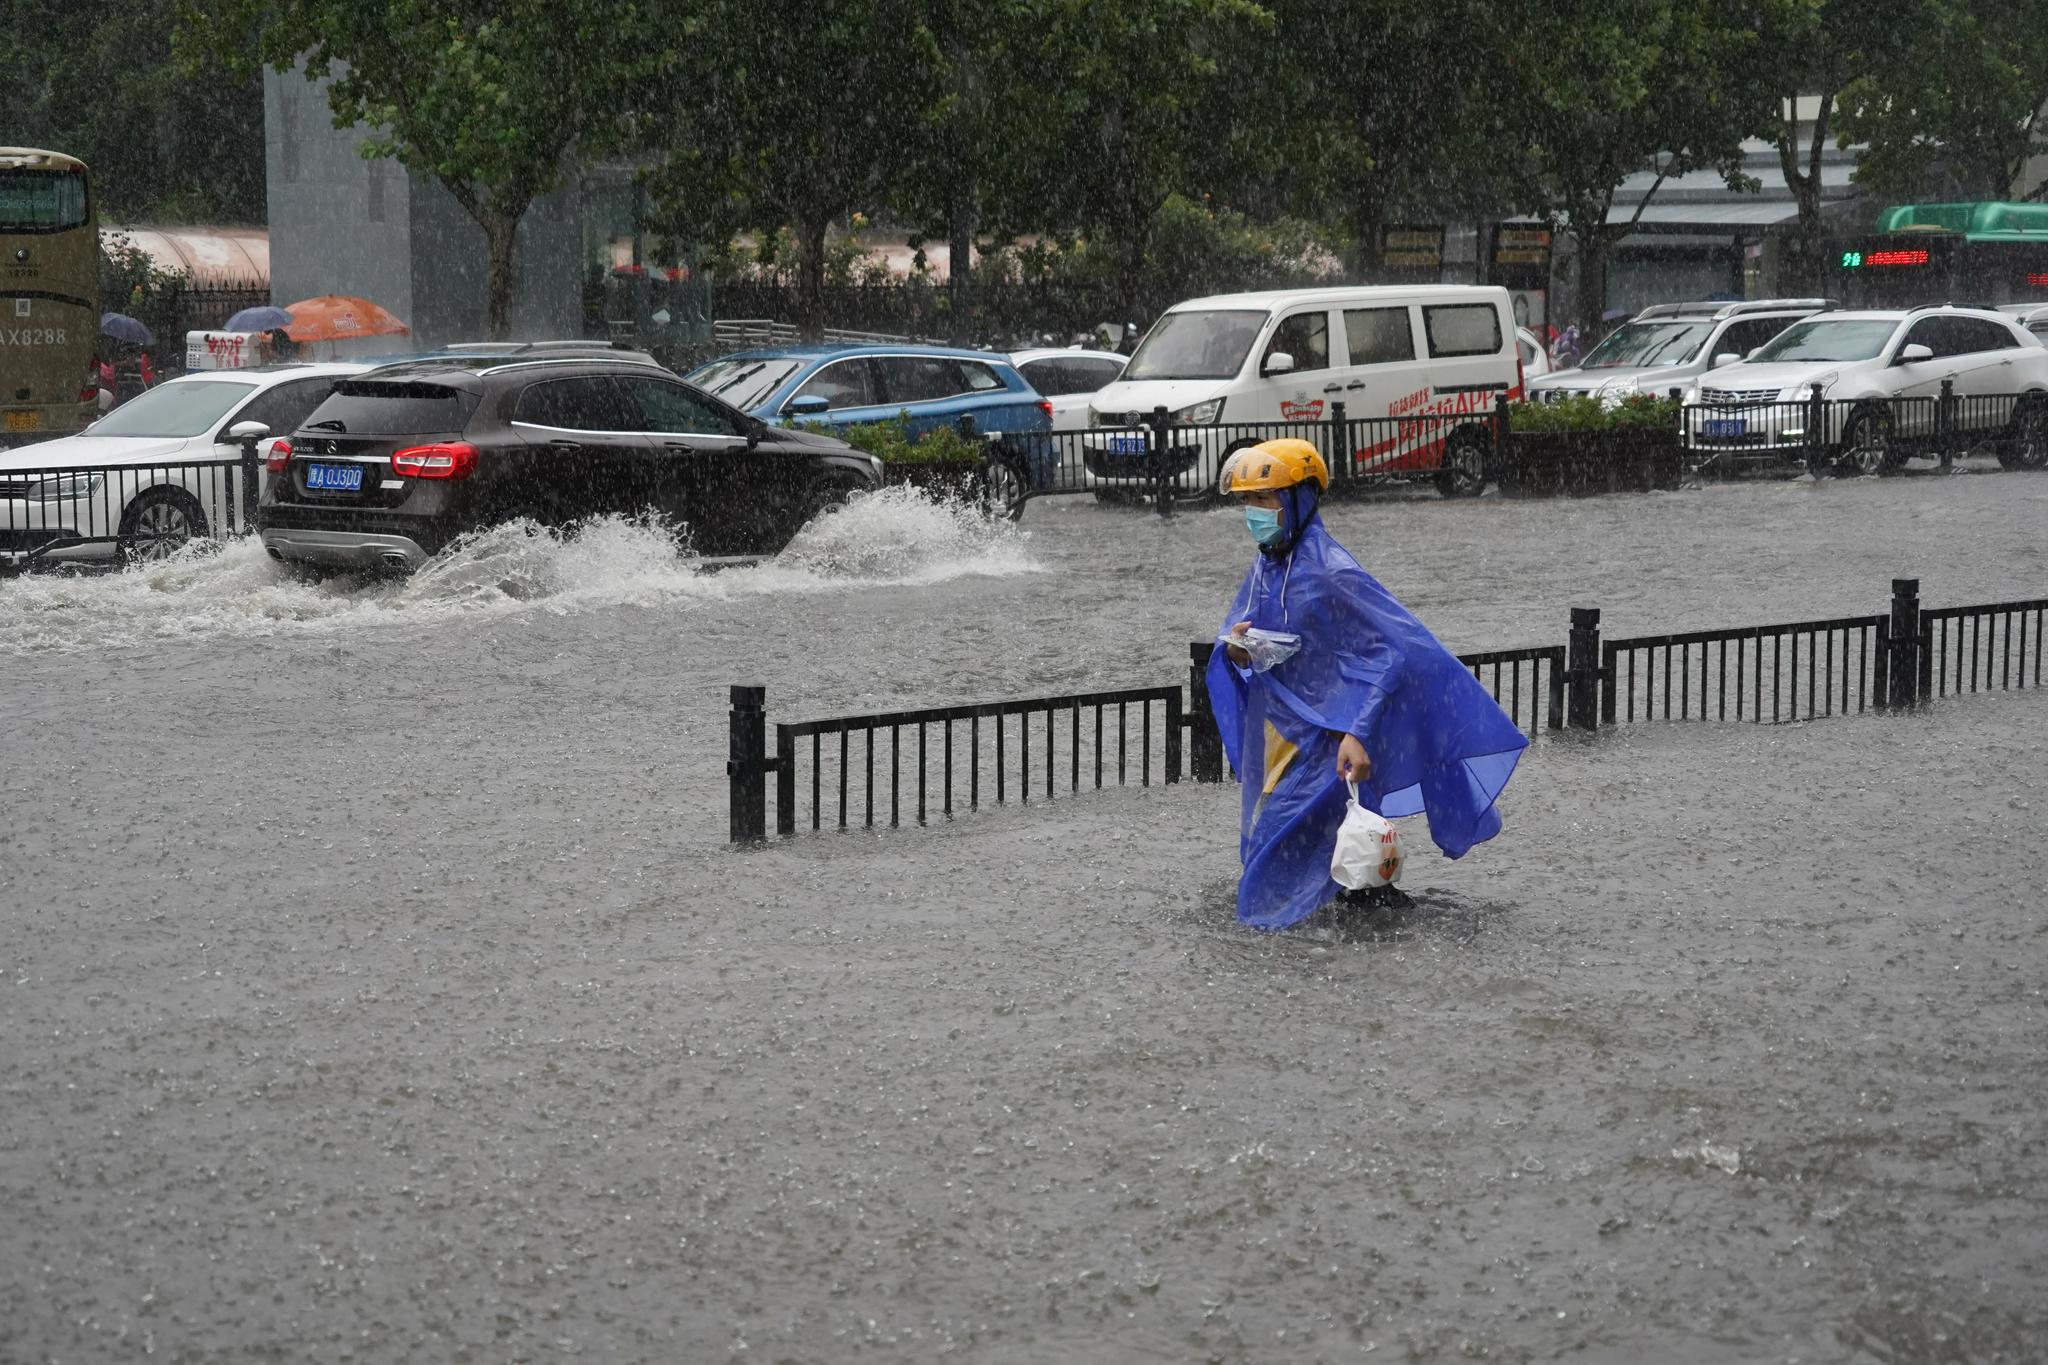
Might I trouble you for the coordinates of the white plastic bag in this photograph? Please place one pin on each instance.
(1368, 851)
(1268, 648)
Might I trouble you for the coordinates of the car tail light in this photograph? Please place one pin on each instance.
(280, 455)
(1045, 406)
(456, 460)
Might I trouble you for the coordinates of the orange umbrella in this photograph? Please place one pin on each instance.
(339, 317)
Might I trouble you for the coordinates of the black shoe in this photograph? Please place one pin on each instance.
(1378, 898)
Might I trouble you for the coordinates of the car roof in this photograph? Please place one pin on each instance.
(266, 375)
(1336, 293)
(826, 351)
(1066, 353)
(451, 366)
(1901, 314)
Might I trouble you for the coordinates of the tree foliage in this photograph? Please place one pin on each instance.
(165, 145)
(1955, 112)
(497, 100)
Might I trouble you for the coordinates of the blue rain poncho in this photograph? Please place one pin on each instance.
(1438, 742)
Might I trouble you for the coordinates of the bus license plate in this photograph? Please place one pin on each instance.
(24, 421)
(334, 478)
(1127, 445)
(1724, 427)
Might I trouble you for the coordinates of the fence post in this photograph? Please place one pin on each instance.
(1582, 670)
(746, 764)
(250, 495)
(1340, 441)
(1205, 743)
(1903, 680)
(1945, 423)
(1816, 431)
(1160, 461)
(1501, 444)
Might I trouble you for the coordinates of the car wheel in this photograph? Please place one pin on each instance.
(825, 498)
(1003, 488)
(158, 524)
(2026, 444)
(1464, 467)
(1867, 445)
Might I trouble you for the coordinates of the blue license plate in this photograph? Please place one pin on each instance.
(1725, 426)
(334, 478)
(1127, 445)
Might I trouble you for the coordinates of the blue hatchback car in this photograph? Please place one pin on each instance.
(929, 386)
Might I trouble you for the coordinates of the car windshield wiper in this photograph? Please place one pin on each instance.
(331, 424)
(743, 374)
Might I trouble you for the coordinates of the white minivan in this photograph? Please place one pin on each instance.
(1417, 367)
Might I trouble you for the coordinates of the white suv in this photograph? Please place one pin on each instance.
(1881, 376)
(1669, 345)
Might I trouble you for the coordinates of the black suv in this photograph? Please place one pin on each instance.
(403, 459)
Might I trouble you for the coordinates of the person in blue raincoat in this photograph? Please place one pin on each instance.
(1368, 696)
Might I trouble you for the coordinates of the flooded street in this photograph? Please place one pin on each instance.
(379, 986)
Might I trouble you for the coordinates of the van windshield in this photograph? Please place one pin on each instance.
(1649, 343)
(1209, 345)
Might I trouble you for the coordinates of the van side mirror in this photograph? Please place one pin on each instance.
(1279, 363)
(1725, 358)
(807, 405)
(1909, 354)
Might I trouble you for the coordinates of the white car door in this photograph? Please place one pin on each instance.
(1988, 374)
(1294, 395)
(1388, 378)
(1916, 384)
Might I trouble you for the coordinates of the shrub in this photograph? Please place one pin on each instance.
(1583, 412)
(892, 442)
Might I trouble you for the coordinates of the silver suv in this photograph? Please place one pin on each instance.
(1669, 345)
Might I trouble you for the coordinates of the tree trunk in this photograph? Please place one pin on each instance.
(1592, 300)
(811, 277)
(502, 233)
(1366, 213)
(960, 271)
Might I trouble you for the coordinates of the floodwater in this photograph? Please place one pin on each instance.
(378, 987)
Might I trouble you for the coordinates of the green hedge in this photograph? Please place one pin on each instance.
(892, 442)
(1587, 413)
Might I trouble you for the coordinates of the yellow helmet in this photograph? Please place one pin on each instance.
(1275, 464)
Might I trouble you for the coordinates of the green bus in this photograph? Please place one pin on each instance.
(49, 294)
(1986, 254)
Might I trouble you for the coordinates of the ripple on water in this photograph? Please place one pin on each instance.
(892, 536)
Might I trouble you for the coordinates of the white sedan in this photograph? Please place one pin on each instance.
(157, 472)
(1067, 380)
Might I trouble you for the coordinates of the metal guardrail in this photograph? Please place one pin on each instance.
(1786, 672)
(143, 511)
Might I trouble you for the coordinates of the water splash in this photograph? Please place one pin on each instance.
(893, 536)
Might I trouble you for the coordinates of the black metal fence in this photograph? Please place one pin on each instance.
(863, 771)
(145, 511)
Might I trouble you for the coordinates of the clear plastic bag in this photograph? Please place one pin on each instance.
(1268, 648)
(1368, 851)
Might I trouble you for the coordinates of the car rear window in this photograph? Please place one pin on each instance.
(1462, 328)
(367, 407)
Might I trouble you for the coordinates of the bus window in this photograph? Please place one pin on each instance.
(41, 201)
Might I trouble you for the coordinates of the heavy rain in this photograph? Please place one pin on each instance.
(389, 974)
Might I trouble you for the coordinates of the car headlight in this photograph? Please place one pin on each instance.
(1796, 392)
(1201, 414)
(63, 487)
(1094, 417)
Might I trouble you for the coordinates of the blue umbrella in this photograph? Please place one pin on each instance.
(257, 320)
(121, 327)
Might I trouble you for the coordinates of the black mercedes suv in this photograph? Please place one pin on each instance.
(403, 459)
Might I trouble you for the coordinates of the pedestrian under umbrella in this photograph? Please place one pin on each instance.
(121, 327)
(1366, 695)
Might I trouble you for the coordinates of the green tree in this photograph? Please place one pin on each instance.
(497, 100)
(1604, 90)
(1955, 112)
(165, 145)
(1133, 111)
(787, 112)
(1817, 49)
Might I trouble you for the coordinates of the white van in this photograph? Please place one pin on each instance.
(1417, 368)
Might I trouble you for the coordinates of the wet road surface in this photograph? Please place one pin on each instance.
(378, 986)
